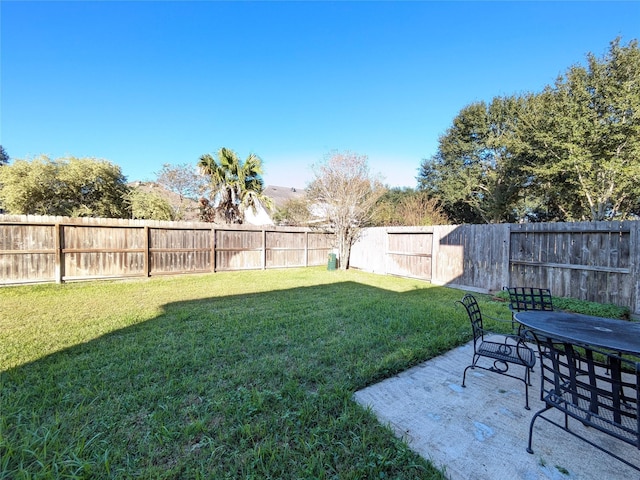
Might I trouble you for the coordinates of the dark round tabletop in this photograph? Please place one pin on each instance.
(609, 333)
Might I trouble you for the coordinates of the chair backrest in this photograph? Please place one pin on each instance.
(529, 298)
(470, 304)
(599, 388)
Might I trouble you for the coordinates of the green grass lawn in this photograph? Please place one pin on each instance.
(228, 375)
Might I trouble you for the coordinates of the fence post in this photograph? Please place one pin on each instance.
(213, 248)
(59, 246)
(264, 249)
(306, 249)
(506, 266)
(147, 248)
(634, 266)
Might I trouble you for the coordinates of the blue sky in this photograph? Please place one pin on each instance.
(152, 82)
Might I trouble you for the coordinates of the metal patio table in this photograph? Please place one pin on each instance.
(590, 372)
(608, 333)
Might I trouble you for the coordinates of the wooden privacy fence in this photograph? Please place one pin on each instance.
(58, 249)
(595, 261)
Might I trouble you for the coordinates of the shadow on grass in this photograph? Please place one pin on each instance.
(247, 386)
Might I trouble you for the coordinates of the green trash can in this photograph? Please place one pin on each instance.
(332, 262)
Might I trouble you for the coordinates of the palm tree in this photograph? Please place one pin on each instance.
(235, 186)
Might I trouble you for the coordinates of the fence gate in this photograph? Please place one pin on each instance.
(409, 254)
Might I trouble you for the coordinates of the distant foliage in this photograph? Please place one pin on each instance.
(407, 207)
(583, 138)
(207, 211)
(149, 206)
(74, 187)
(473, 174)
(295, 212)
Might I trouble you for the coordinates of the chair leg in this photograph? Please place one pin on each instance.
(464, 375)
(526, 380)
(473, 365)
(533, 420)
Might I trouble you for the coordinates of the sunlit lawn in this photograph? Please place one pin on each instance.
(227, 375)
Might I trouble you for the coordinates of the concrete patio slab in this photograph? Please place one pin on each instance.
(480, 432)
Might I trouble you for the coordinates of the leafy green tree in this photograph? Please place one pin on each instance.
(67, 186)
(235, 185)
(346, 193)
(476, 172)
(583, 137)
(149, 206)
(571, 152)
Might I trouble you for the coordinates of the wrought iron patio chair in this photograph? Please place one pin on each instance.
(523, 299)
(597, 387)
(501, 350)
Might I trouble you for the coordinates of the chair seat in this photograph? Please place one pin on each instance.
(519, 354)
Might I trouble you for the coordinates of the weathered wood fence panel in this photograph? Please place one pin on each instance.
(29, 253)
(591, 261)
(595, 261)
(471, 256)
(370, 250)
(409, 254)
(101, 252)
(286, 250)
(319, 245)
(47, 249)
(239, 250)
(179, 250)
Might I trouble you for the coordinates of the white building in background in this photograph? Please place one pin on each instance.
(280, 196)
(258, 217)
